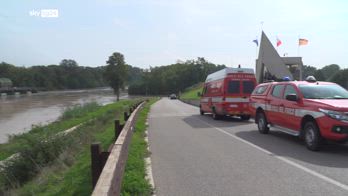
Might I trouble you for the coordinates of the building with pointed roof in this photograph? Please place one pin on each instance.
(270, 66)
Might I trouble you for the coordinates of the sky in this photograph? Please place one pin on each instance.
(155, 33)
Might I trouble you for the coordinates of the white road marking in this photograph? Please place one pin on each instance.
(149, 173)
(305, 169)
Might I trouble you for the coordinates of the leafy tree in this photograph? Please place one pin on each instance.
(341, 78)
(68, 63)
(66, 75)
(135, 74)
(308, 71)
(116, 72)
(329, 70)
(319, 76)
(173, 78)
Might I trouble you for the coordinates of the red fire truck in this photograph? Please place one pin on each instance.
(227, 92)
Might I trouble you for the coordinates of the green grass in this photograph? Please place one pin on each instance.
(134, 182)
(71, 117)
(78, 111)
(192, 92)
(69, 173)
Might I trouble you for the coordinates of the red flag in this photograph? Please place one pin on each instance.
(278, 42)
(302, 42)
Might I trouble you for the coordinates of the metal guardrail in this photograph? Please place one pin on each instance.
(108, 167)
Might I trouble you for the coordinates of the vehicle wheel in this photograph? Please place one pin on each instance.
(245, 117)
(201, 111)
(216, 116)
(312, 136)
(262, 123)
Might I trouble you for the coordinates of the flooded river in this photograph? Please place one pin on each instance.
(19, 112)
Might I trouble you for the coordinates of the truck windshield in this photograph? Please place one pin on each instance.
(323, 92)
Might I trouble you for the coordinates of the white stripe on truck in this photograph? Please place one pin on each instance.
(227, 99)
(290, 111)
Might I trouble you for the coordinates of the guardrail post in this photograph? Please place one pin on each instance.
(115, 163)
(95, 158)
(117, 129)
(125, 116)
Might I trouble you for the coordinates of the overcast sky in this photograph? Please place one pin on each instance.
(154, 33)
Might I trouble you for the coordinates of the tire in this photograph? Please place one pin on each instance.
(216, 116)
(262, 123)
(201, 111)
(245, 117)
(312, 136)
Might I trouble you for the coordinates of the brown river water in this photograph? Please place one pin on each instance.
(19, 112)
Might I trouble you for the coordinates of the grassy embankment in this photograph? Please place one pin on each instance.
(61, 165)
(134, 182)
(191, 93)
(70, 173)
(71, 117)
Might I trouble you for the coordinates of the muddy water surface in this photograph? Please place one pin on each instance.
(19, 112)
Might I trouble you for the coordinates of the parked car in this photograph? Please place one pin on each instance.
(227, 92)
(172, 96)
(314, 111)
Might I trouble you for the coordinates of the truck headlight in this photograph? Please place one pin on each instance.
(335, 114)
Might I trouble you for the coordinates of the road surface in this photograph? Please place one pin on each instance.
(195, 155)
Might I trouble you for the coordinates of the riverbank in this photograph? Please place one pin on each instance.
(19, 113)
(52, 165)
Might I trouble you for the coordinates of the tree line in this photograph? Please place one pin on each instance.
(66, 75)
(173, 78)
(117, 74)
(330, 73)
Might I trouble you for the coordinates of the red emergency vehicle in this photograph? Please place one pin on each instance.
(312, 110)
(227, 92)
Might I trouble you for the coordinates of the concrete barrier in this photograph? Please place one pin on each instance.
(191, 102)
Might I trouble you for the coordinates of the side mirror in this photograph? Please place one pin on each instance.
(291, 97)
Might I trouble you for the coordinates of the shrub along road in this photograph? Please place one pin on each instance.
(195, 155)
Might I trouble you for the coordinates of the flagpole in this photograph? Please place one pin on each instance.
(298, 46)
(261, 26)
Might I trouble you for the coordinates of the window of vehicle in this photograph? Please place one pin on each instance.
(323, 91)
(233, 87)
(248, 87)
(260, 89)
(277, 90)
(289, 89)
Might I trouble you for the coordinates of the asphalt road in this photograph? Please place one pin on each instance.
(195, 155)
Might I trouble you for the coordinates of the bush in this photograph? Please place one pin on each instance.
(79, 110)
(35, 153)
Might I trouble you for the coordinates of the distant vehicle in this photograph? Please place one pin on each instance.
(227, 92)
(172, 96)
(314, 111)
